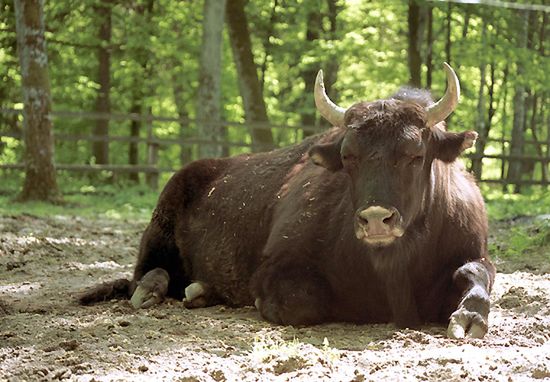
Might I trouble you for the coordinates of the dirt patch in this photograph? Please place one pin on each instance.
(44, 335)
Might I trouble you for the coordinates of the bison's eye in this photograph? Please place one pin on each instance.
(349, 158)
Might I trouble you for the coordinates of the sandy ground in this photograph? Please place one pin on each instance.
(44, 335)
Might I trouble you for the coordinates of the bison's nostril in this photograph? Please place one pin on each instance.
(363, 220)
(389, 220)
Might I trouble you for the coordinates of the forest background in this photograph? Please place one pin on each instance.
(101, 100)
(146, 86)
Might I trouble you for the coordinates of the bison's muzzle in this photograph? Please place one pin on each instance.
(377, 225)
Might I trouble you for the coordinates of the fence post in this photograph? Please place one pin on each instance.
(152, 178)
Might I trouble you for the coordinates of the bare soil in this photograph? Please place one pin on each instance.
(45, 335)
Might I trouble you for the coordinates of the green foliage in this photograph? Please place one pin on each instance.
(520, 228)
(121, 202)
(155, 48)
(503, 206)
(525, 240)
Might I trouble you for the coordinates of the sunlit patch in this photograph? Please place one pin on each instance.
(104, 265)
(20, 288)
(27, 240)
(67, 240)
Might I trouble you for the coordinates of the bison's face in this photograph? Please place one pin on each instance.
(388, 150)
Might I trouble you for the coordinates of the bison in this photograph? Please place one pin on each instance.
(372, 221)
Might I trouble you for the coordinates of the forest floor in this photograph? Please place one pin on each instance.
(45, 335)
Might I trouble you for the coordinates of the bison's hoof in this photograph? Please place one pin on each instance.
(464, 323)
(151, 289)
(197, 295)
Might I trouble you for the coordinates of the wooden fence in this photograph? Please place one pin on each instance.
(155, 144)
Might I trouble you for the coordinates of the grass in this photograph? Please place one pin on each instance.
(501, 206)
(520, 224)
(108, 201)
(517, 234)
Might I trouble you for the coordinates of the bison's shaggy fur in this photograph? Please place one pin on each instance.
(277, 228)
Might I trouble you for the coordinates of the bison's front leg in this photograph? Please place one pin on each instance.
(291, 294)
(473, 281)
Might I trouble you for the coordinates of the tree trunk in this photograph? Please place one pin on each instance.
(481, 127)
(186, 153)
(533, 99)
(546, 122)
(331, 65)
(448, 30)
(40, 177)
(429, 52)
(466, 23)
(504, 123)
(538, 145)
(249, 84)
(308, 116)
(543, 99)
(140, 88)
(415, 36)
(135, 127)
(267, 43)
(516, 149)
(100, 149)
(209, 92)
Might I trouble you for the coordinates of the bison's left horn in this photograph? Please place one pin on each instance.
(328, 109)
(446, 105)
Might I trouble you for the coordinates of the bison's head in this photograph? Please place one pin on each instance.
(388, 151)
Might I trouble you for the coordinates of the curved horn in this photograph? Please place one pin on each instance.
(445, 106)
(328, 109)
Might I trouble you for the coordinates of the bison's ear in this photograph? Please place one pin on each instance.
(448, 146)
(327, 155)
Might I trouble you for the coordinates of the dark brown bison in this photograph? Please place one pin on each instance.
(371, 221)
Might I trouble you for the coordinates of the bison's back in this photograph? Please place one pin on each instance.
(223, 231)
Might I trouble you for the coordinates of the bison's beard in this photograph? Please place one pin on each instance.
(378, 240)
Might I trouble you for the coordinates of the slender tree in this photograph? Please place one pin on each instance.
(448, 43)
(267, 45)
(415, 35)
(139, 90)
(516, 149)
(209, 96)
(178, 90)
(481, 126)
(313, 33)
(249, 83)
(429, 49)
(331, 64)
(40, 177)
(100, 148)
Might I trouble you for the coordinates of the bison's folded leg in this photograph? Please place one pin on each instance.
(151, 289)
(471, 315)
(292, 295)
(199, 295)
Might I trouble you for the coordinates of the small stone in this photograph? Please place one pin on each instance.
(143, 368)
(69, 345)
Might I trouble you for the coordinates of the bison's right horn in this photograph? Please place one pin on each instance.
(446, 105)
(328, 109)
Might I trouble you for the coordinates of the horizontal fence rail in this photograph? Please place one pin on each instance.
(155, 143)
